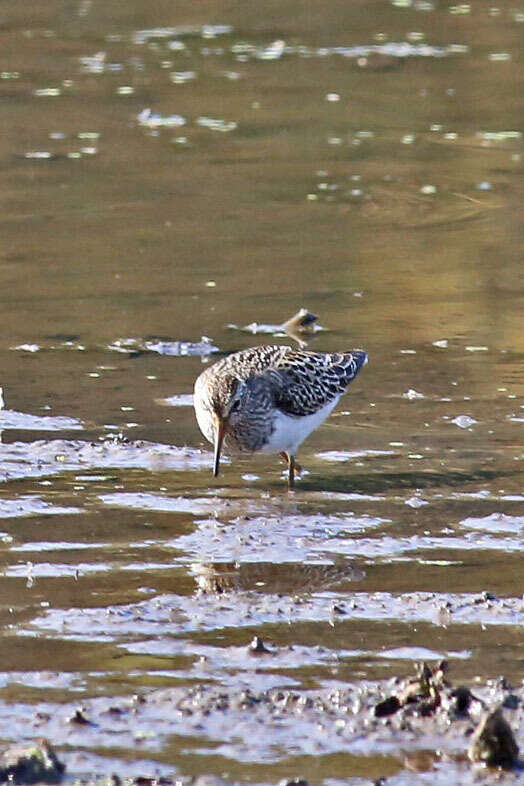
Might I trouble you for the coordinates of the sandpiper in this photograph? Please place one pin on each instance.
(269, 399)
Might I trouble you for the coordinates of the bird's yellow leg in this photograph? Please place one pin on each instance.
(292, 466)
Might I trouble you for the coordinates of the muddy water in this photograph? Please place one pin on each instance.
(168, 173)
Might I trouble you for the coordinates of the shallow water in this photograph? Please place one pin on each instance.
(177, 182)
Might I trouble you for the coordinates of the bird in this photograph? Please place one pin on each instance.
(268, 399)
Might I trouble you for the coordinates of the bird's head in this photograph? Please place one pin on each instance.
(226, 406)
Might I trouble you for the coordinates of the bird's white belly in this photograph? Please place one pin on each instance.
(291, 430)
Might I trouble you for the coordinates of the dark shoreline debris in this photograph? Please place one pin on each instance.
(424, 719)
(493, 742)
(424, 692)
(33, 763)
(257, 647)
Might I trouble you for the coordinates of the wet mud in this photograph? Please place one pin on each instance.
(364, 727)
(168, 685)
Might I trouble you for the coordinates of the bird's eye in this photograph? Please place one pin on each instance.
(235, 405)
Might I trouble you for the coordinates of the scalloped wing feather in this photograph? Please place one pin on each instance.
(304, 382)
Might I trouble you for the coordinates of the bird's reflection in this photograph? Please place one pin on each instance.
(268, 578)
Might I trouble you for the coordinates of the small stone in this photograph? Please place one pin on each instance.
(257, 647)
(412, 395)
(511, 702)
(293, 782)
(415, 502)
(79, 718)
(387, 707)
(464, 421)
(462, 697)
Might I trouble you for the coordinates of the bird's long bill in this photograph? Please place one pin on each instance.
(219, 438)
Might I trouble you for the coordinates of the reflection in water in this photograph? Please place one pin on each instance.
(271, 578)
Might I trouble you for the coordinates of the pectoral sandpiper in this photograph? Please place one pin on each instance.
(269, 399)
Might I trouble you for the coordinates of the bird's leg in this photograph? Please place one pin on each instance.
(291, 477)
(285, 456)
(290, 461)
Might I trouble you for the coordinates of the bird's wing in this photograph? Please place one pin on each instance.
(304, 382)
(255, 360)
